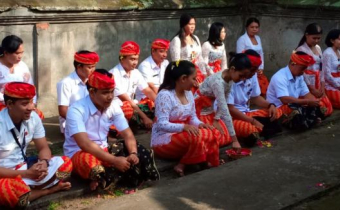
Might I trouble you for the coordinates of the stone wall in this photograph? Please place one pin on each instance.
(51, 38)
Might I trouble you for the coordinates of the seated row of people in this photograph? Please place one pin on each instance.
(178, 133)
(134, 88)
(87, 151)
(187, 127)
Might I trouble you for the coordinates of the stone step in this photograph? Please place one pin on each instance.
(80, 187)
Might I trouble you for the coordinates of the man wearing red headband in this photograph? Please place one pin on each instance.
(87, 125)
(128, 79)
(72, 87)
(247, 122)
(288, 91)
(22, 178)
(153, 67)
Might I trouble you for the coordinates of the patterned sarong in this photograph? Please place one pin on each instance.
(263, 82)
(15, 193)
(204, 101)
(192, 149)
(244, 129)
(88, 166)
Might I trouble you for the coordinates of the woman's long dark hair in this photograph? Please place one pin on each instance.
(239, 61)
(10, 44)
(215, 34)
(183, 21)
(311, 29)
(174, 71)
(332, 35)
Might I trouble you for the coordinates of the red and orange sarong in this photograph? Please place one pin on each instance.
(244, 129)
(192, 149)
(127, 110)
(205, 101)
(86, 165)
(263, 82)
(14, 192)
(324, 101)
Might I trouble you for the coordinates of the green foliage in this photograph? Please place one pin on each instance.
(53, 206)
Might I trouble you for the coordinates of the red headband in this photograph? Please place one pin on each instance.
(101, 81)
(304, 60)
(86, 58)
(160, 44)
(255, 60)
(19, 90)
(129, 48)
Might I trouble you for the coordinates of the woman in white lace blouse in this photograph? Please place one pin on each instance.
(313, 75)
(186, 46)
(331, 67)
(217, 88)
(213, 50)
(177, 132)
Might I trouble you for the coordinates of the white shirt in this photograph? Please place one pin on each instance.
(242, 91)
(310, 79)
(170, 110)
(152, 73)
(83, 116)
(211, 55)
(331, 64)
(10, 152)
(284, 84)
(21, 73)
(69, 90)
(244, 43)
(127, 84)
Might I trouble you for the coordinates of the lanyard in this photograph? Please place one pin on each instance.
(22, 147)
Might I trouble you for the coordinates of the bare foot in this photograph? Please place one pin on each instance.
(61, 186)
(93, 185)
(179, 169)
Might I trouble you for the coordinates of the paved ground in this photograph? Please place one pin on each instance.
(299, 168)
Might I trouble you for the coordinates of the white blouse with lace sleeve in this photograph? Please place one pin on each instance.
(211, 54)
(310, 79)
(169, 112)
(191, 53)
(331, 64)
(215, 86)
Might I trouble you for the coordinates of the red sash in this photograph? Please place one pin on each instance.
(217, 65)
(317, 77)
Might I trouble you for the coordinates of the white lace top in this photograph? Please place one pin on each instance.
(169, 109)
(211, 55)
(215, 86)
(191, 53)
(310, 79)
(331, 64)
